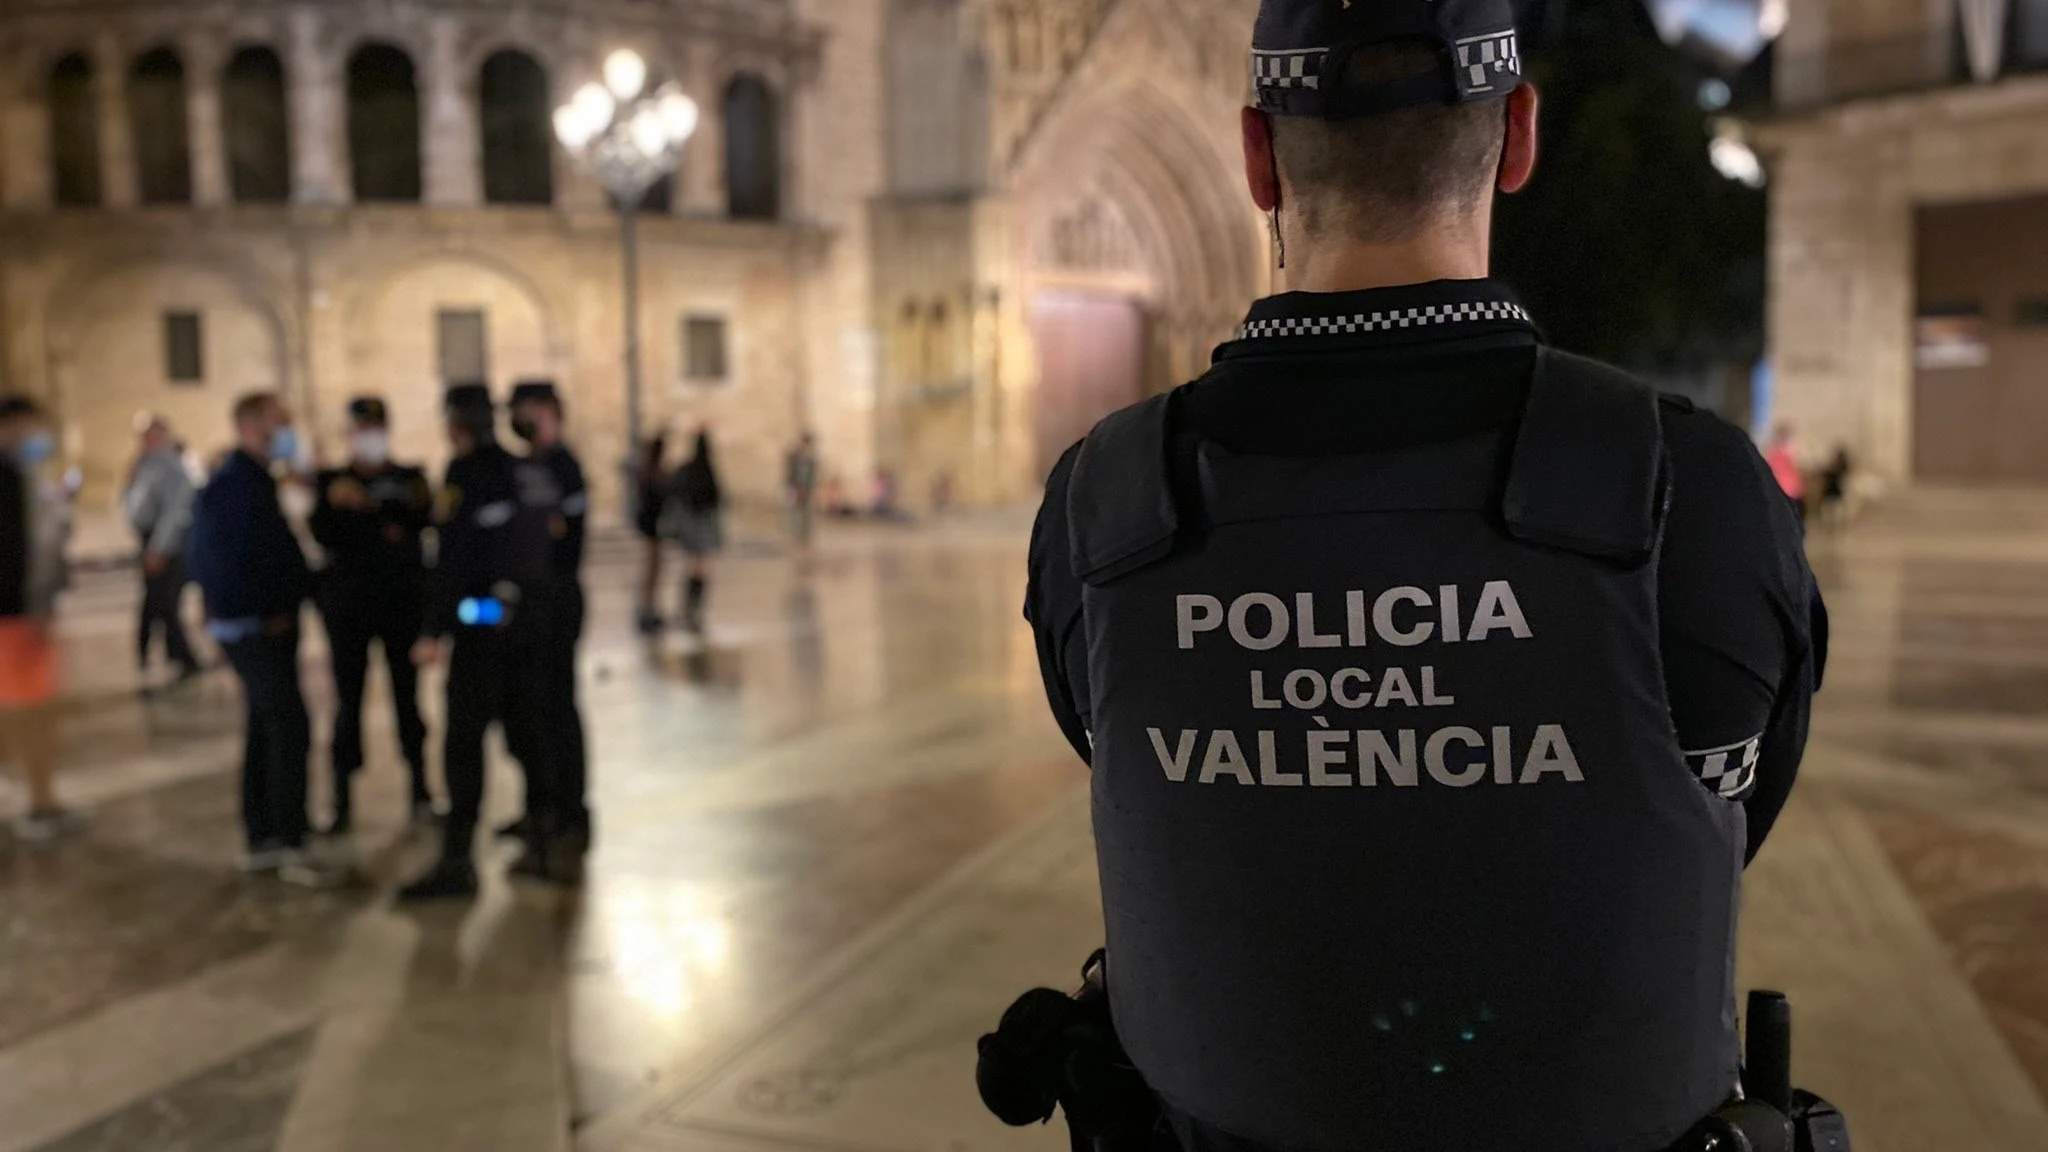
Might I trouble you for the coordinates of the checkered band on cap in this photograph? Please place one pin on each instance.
(1302, 68)
(1488, 64)
(1430, 315)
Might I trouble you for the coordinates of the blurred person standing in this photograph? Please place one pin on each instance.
(369, 517)
(695, 518)
(35, 527)
(158, 504)
(650, 490)
(488, 609)
(557, 816)
(800, 489)
(253, 575)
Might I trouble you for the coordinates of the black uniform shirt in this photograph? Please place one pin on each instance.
(374, 549)
(493, 526)
(568, 474)
(1743, 628)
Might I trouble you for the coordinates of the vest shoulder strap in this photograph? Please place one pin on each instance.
(1120, 507)
(1588, 473)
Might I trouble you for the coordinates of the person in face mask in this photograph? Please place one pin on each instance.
(249, 566)
(369, 518)
(34, 525)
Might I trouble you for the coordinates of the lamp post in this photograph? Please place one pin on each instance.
(630, 135)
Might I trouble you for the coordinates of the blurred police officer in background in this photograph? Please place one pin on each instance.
(1436, 685)
(369, 517)
(489, 610)
(564, 828)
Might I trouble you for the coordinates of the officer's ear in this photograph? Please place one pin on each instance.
(1261, 170)
(1518, 151)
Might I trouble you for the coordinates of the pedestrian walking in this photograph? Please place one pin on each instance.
(158, 504)
(695, 519)
(800, 489)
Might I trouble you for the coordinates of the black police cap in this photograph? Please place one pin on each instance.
(535, 390)
(1301, 48)
(369, 411)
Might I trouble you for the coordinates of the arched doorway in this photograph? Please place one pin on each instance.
(753, 149)
(74, 133)
(254, 123)
(518, 144)
(156, 110)
(383, 125)
(1140, 251)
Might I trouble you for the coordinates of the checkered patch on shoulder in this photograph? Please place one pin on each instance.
(1429, 316)
(1728, 772)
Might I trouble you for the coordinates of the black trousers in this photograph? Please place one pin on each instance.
(355, 620)
(557, 769)
(278, 740)
(161, 595)
(489, 682)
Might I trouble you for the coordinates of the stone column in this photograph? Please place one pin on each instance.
(318, 101)
(117, 136)
(701, 191)
(450, 135)
(204, 130)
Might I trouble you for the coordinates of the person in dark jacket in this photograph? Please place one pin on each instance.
(369, 517)
(695, 520)
(254, 578)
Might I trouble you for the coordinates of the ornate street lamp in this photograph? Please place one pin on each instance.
(629, 135)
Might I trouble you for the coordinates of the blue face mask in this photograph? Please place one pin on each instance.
(39, 448)
(284, 445)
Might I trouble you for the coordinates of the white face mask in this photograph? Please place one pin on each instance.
(370, 447)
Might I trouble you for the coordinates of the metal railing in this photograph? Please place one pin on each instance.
(1890, 65)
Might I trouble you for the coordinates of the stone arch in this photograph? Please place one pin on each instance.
(385, 160)
(514, 107)
(103, 325)
(401, 307)
(1190, 250)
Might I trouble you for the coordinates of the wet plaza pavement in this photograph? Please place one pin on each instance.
(837, 839)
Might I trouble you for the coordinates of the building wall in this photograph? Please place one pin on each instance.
(324, 299)
(1845, 183)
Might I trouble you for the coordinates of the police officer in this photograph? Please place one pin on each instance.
(488, 609)
(370, 517)
(537, 419)
(1436, 685)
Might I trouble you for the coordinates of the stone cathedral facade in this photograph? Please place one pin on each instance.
(944, 234)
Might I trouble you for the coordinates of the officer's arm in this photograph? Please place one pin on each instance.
(1052, 603)
(325, 522)
(419, 504)
(456, 555)
(1738, 611)
(575, 502)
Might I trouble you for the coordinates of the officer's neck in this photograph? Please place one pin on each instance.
(1445, 254)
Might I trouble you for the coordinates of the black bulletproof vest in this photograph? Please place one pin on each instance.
(1398, 848)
